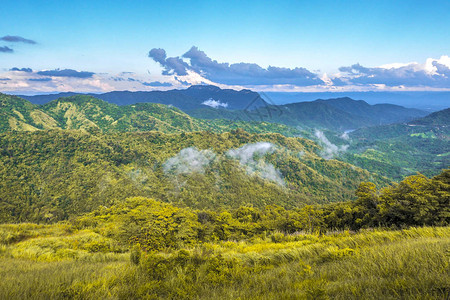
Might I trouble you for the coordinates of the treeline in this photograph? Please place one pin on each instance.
(154, 226)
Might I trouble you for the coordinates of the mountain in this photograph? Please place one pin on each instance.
(89, 113)
(429, 101)
(211, 102)
(398, 150)
(439, 118)
(194, 97)
(338, 114)
(381, 113)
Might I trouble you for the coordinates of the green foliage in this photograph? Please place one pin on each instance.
(84, 112)
(52, 175)
(400, 150)
(371, 264)
(416, 200)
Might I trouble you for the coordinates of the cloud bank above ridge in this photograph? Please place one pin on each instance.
(432, 74)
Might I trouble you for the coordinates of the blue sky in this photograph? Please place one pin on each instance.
(312, 44)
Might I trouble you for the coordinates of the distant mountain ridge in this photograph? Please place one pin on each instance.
(193, 97)
(89, 113)
(335, 114)
(211, 102)
(438, 118)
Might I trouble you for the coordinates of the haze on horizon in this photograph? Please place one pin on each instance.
(288, 46)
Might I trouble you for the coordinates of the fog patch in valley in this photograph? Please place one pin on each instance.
(250, 157)
(189, 160)
(329, 150)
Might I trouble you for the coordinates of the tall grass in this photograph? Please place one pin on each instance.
(373, 264)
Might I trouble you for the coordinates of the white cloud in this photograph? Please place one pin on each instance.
(432, 74)
(329, 150)
(189, 160)
(250, 156)
(215, 103)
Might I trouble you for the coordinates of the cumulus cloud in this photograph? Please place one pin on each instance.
(250, 156)
(172, 65)
(214, 103)
(432, 73)
(232, 74)
(189, 160)
(16, 39)
(66, 73)
(6, 50)
(329, 150)
(26, 70)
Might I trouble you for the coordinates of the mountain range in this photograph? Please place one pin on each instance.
(211, 102)
(194, 97)
(89, 113)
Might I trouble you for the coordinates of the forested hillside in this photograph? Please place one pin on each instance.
(51, 175)
(398, 150)
(333, 114)
(211, 102)
(88, 113)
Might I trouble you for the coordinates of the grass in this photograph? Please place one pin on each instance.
(372, 264)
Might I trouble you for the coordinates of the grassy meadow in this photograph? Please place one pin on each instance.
(60, 261)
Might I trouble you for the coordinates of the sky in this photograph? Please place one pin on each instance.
(100, 46)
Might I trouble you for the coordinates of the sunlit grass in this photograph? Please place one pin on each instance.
(372, 264)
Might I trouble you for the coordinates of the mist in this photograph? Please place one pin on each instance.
(250, 157)
(189, 160)
(329, 150)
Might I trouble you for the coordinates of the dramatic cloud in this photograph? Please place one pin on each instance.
(27, 70)
(433, 73)
(250, 157)
(172, 65)
(329, 150)
(66, 73)
(6, 50)
(189, 160)
(214, 103)
(5, 79)
(232, 74)
(16, 39)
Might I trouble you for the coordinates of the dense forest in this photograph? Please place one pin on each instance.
(52, 175)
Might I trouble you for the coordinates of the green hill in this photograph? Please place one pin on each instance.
(89, 113)
(399, 150)
(52, 175)
(441, 118)
(338, 114)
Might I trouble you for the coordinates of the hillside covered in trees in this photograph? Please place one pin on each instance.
(88, 113)
(51, 175)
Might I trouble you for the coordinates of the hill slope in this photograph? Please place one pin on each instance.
(439, 118)
(89, 113)
(211, 102)
(397, 150)
(51, 175)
